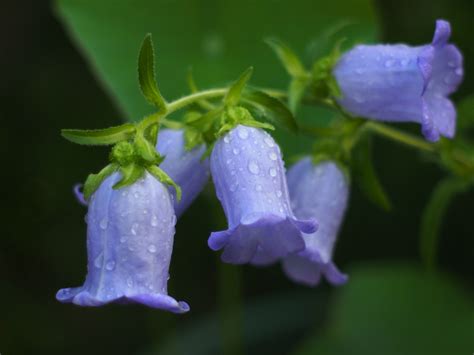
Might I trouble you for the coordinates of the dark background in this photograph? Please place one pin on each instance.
(46, 85)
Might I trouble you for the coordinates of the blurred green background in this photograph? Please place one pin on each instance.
(84, 77)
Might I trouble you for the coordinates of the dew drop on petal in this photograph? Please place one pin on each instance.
(258, 188)
(389, 63)
(253, 167)
(154, 221)
(226, 139)
(279, 193)
(272, 172)
(110, 265)
(452, 64)
(152, 248)
(243, 133)
(134, 228)
(123, 240)
(104, 223)
(269, 142)
(273, 156)
(99, 261)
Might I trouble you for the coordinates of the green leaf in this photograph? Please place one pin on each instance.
(93, 181)
(130, 174)
(160, 175)
(235, 91)
(288, 58)
(296, 92)
(146, 150)
(146, 74)
(271, 109)
(465, 110)
(365, 175)
(105, 136)
(433, 215)
(394, 309)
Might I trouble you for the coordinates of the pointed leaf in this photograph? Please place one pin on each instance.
(287, 57)
(146, 74)
(271, 109)
(433, 214)
(105, 136)
(93, 181)
(130, 174)
(235, 91)
(365, 175)
(161, 176)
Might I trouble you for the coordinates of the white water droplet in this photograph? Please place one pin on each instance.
(269, 142)
(145, 211)
(235, 151)
(123, 240)
(272, 172)
(273, 156)
(243, 133)
(129, 282)
(152, 248)
(134, 228)
(253, 167)
(452, 64)
(110, 265)
(154, 221)
(99, 261)
(136, 195)
(458, 71)
(279, 193)
(104, 223)
(233, 187)
(389, 63)
(226, 139)
(258, 188)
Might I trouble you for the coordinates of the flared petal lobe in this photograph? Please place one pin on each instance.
(401, 83)
(317, 191)
(249, 179)
(186, 168)
(129, 244)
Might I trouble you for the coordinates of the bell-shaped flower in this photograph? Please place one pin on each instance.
(185, 167)
(129, 244)
(317, 191)
(249, 178)
(400, 83)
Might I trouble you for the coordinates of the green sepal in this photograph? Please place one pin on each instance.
(328, 149)
(93, 181)
(232, 97)
(146, 75)
(152, 133)
(238, 115)
(192, 138)
(130, 174)
(123, 153)
(287, 57)
(161, 176)
(269, 108)
(365, 175)
(171, 124)
(105, 136)
(146, 151)
(323, 83)
(433, 215)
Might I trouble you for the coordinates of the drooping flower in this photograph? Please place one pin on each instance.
(184, 167)
(317, 191)
(129, 244)
(401, 83)
(249, 179)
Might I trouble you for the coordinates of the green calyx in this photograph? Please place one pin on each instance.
(323, 84)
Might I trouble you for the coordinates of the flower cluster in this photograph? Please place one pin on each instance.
(291, 218)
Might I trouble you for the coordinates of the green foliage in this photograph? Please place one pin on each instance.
(365, 175)
(146, 75)
(235, 91)
(433, 215)
(465, 110)
(288, 58)
(105, 136)
(396, 309)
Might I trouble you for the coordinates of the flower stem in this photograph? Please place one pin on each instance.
(400, 137)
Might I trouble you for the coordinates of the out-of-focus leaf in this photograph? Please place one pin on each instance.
(296, 92)
(105, 136)
(235, 91)
(287, 57)
(433, 215)
(396, 309)
(365, 175)
(271, 109)
(465, 111)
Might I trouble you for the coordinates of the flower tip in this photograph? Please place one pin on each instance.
(442, 32)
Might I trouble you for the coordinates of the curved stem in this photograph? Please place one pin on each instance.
(201, 95)
(400, 137)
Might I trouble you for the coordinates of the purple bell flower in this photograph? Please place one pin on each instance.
(401, 83)
(249, 179)
(184, 167)
(319, 191)
(129, 244)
